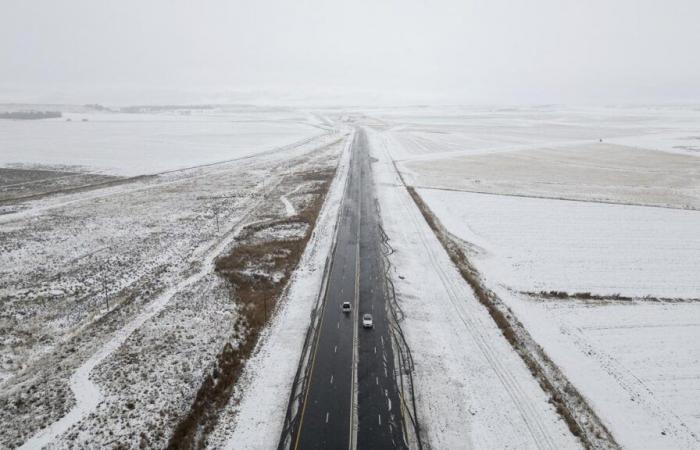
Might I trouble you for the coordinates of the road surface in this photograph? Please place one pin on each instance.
(352, 398)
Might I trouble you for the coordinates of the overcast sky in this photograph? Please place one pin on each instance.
(443, 51)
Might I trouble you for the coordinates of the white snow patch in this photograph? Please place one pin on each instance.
(289, 208)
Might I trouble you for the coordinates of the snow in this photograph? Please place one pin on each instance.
(87, 394)
(144, 245)
(637, 364)
(289, 208)
(473, 390)
(594, 171)
(145, 143)
(531, 244)
(593, 229)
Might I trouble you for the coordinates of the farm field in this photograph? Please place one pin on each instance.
(592, 246)
(534, 244)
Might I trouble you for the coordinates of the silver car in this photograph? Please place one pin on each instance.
(367, 321)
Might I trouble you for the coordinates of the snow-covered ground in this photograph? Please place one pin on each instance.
(637, 362)
(634, 361)
(150, 142)
(105, 290)
(430, 133)
(473, 390)
(600, 172)
(533, 244)
(614, 155)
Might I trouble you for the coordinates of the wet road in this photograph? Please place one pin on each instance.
(352, 399)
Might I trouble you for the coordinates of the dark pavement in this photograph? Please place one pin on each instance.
(356, 275)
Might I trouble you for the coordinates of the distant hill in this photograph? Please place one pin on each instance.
(30, 115)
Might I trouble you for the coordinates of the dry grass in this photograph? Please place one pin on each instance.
(587, 296)
(248, 268)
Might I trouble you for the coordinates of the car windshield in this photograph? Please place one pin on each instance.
(368, 317)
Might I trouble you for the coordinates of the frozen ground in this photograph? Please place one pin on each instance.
(533, 244)
(103, 291)
(473, 390)
(635, 361)
(556, 153)
(137, 143)
(599, 172)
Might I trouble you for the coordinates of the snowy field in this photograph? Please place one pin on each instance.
(598, 172)
(613, 155)
(105, 290)
(602, 201)
(637, 363)
(431, 133)
(472, 389)
(533, 244)
(127, 144)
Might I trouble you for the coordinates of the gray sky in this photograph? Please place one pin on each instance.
(446, 51)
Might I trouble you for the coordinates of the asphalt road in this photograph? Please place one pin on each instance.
(328, 415)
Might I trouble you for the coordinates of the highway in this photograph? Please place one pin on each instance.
(352, 399)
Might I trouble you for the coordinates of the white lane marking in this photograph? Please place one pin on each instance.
(327, 414)
(331, 379)
(375, 349)
(380, 418)
(377, 380)
(382, 338)
(386, 374)
(335, 350)
(338, 324)
(389, 401)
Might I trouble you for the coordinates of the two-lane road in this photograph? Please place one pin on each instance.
(352, 400)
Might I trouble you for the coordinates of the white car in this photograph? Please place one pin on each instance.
(367, 321)
(346, 307)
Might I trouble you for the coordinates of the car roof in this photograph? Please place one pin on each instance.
(368, 316)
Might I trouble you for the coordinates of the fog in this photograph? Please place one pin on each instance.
(448, 51)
